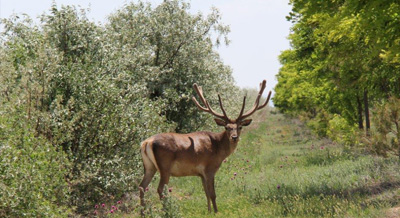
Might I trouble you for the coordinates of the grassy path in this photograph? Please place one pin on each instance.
(283, 171)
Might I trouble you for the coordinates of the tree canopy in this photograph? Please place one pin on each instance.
(344, 59)
(88, 93)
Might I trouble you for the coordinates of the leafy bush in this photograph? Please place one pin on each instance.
(341, 131)
(386, 136)
(319, 123)
(32, 172)
(95, 91)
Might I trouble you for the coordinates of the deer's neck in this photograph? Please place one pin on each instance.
(226, 147)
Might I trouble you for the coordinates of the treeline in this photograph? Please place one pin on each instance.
(342, 73)
(77, 97)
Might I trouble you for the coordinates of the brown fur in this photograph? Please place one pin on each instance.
(193, 154)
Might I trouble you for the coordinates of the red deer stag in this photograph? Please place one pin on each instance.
(195, 154)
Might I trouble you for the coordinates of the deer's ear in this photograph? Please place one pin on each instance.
(220, 122)
(245, 122)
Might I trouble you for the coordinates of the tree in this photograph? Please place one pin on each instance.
(94, 91)
(344, 46)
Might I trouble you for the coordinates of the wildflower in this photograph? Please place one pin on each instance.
(96, 206)
(278, 187)
(247, 161)
(147, 188)
(170, 189)
(235, 174)
(111, 211)
(113, 207)
(281, 166)
(103, 205)
(95, 212)
(225, 161)
(322, 147)
(118, 202)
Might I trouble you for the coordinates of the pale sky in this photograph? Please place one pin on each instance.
(258, 34)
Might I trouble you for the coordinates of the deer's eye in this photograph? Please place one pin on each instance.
(228, 128)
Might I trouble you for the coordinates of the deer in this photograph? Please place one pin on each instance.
(198, 153)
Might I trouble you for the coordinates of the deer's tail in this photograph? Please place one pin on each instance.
(148, 157)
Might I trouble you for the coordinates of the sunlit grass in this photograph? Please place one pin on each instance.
(281, 170)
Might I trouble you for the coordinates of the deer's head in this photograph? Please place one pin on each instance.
(233, 127)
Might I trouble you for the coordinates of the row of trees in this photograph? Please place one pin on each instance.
(343, 62)
(77, 97)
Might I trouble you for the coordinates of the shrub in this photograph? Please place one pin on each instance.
(95, 91)
(319, 123)
(386, 120)
(341, 131)
(32, 172)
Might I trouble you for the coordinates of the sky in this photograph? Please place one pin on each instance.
(259, 30)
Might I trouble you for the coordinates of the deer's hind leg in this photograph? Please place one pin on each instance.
(148, 176)
(149, 170)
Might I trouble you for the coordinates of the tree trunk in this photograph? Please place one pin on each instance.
(366, 111)
(399, 86)
(360, 115)
(398, 136)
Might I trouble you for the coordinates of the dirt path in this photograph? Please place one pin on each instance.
(393, 213)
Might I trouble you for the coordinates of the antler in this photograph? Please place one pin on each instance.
(207, 107)
(256, 103)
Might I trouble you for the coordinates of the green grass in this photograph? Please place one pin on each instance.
(316, 178)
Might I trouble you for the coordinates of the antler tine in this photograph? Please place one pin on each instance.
(222, 107)
(198, 105)
(244, 103)
(207, 107)
(266, 101)
(199, 91)
(256, 103)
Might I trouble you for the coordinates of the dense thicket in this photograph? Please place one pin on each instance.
(77, 97)
(343, 62)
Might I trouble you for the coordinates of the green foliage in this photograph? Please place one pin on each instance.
(316, 178)
(342, 61)
(170, 207)
(386, 136)
(32, 172)
(341, 131)
(177, 52)
(94, 91)
(319, 123)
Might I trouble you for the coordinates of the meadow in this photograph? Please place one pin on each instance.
(281, 169)
(77, 97)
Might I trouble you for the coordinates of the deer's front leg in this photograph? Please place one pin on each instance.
(164, 179)
(211, 190)
(203, 180)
